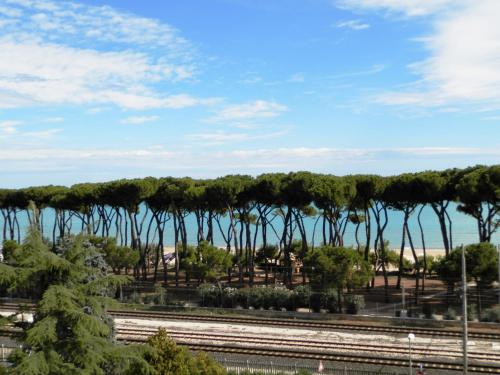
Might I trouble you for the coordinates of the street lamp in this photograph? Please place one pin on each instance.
(411, 337)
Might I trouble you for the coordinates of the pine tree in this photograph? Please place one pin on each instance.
(71, 332)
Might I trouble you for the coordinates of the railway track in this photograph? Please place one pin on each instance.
(375, 360)
(293, 323)
(313, 350)
(307, 344)
(296, 323)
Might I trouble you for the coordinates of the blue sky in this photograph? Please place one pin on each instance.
(95, 90)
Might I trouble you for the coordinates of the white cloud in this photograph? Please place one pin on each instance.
(491, 118)
(250, 81)
(464, 62)
(256, 110)
(296, 78)
(374, 69)
(136, 120)
(405, 7)
(286, 156)
(10, 123)
(10, 12)
(95, 110)
(9, 130)
(97, 24)
(42, 135)
(53, 119)
(9, 126)
(221, 137)
(124, 61)
(352, 24)
(45, 165)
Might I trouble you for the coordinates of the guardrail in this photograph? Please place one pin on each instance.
(269, 367)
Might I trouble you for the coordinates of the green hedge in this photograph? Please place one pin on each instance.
(277, 298)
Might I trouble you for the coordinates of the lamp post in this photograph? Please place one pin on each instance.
(411, 337)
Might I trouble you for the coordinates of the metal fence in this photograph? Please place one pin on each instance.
(269, 367)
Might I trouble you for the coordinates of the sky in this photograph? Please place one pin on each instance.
(95, 90)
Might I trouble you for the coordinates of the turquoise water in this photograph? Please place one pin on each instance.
(464, 229)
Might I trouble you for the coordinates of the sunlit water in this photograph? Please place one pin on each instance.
(464, 229)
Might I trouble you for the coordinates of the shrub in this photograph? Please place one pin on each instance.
(472, 312)
(242, 297)
(135, 297)
(160, 297)
(209, 294)
(427, 310)
(317, 301)
(302, 294)
(282, 298)
(354, 303)
(202, 364)
(491, 315)
(229, 297)
(254, 298)
(330, 300)
(266, 297)
(450, 314)
(167, 358)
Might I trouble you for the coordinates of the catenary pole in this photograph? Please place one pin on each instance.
(498, 247)
(464, 311)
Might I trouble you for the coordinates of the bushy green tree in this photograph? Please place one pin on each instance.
(479, 193)
(481, 266)
(211, 261)
(166, 358)
(338, 267)
(9, 250)
(117, 257)
(205, 261)
(71, 332)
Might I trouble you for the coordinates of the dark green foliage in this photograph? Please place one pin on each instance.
(427, 310)
(71, 332)
(354, 303)
(209, 294)
(450, 314)
(481, 264)
(117, 257)
(205, 262)
(317, 302)
(10, 249)
(269, 253)
(38, 268)
(472, 312)
(479, 192)
(302, 296)
(278, 298)
(330, 301)
(166, 358)
(211, 261)
(338, 267)
(491, 315)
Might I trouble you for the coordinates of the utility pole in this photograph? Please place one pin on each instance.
(498, 247)
(464, 310)
(403, 313)
(403, 296)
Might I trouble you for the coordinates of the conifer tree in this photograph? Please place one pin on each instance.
(71, 332)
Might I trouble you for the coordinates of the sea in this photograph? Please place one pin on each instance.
(464, 229)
